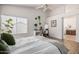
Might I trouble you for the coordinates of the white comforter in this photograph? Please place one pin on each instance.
(33, 45)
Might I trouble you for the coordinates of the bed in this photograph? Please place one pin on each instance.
(33, 45)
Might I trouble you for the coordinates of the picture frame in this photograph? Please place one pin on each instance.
(53, 23)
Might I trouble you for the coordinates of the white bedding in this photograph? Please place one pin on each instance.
(33, 45)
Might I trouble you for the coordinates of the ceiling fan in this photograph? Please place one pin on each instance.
(44, 7)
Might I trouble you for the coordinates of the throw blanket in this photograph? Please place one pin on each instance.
(33, 45)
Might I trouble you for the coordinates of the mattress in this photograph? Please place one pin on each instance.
(33, 45)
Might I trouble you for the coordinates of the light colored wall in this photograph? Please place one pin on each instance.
(58, 13)
(55, 31)
(27, 12)
(65, 10)
(77, 31)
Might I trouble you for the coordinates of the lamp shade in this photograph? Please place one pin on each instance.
(46, 26)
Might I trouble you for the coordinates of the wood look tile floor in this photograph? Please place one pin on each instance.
(71, 44)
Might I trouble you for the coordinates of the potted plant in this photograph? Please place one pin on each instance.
(38, 20)
(37, 25)
(6, 37)
(6, 34)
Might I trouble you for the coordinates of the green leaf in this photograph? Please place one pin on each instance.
(38, 17)
(35, 18)
(8, 38)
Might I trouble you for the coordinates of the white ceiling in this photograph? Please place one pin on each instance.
(28, 5)
(35, 6)
(38, 5)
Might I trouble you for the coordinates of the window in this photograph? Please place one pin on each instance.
(20, 24)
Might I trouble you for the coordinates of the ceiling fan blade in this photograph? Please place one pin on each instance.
(40, 7)
(45, 9)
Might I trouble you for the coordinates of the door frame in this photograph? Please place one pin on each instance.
(63, 25)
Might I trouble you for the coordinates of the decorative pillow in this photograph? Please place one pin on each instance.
(8, 38)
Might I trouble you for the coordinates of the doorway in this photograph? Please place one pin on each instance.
(69, 34)
(69, 28)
